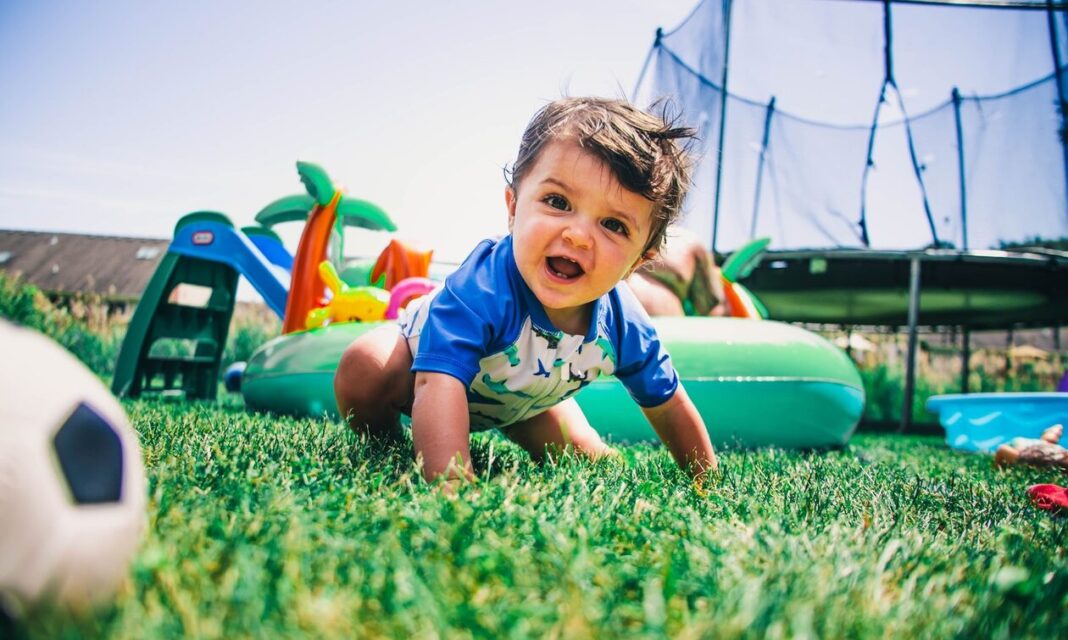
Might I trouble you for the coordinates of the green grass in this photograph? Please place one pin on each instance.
(270, 527)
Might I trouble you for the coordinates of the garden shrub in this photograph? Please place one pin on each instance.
(250, 328)
(83, 327)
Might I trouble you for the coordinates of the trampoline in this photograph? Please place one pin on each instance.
(855, 134)
(972, 290)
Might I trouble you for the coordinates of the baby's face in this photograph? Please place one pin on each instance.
(576, 231)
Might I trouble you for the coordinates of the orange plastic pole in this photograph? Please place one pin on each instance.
(306, 286)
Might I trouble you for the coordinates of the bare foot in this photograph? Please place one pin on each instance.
(1053, 434)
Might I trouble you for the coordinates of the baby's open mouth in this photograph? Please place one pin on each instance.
(564, 267)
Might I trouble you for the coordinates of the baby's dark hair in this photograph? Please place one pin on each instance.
(642, 151)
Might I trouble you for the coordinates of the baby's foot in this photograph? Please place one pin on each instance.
(1053, 434)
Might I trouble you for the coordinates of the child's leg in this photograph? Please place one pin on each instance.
(373, 384)
(1006, 454)
(706, 289)
(655, 297)
(557, 428)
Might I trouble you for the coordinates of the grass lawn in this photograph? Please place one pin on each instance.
(271, 527)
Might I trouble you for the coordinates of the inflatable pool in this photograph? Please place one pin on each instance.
(980, 422)
(757, 383)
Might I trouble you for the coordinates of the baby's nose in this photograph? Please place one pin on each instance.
(577, 234)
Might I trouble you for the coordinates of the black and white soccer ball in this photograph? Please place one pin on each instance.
(72, 483)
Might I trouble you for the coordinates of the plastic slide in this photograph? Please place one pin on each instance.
(190, 300)
(211, 236)
(270, 245)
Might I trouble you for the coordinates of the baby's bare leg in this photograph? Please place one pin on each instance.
(556, 429)
(1053, 434)
(373, 384)
(1006, 455)
(684, 270)
(654, 296)
(706, 289)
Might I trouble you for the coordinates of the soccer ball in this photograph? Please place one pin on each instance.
(72, 484)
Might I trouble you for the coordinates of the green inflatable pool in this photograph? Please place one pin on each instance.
(757, 383)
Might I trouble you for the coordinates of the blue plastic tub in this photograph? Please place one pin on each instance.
(980, 422)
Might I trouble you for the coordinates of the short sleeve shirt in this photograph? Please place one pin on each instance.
(486, 328)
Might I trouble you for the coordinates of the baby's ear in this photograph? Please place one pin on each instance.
(509, 201)
(643, 259)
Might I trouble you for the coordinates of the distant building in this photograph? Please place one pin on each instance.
(63, 264)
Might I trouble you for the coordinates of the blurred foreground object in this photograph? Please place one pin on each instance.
(1050, 497)
(72, 485)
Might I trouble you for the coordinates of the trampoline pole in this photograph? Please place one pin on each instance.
(960, 173)
(910, 362)
(727, 5)
(1062, 99)
(965, 357)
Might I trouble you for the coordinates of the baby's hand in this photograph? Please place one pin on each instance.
(703, 482)
(451, 486)
(610, 453)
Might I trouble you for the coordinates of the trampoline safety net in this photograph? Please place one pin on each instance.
(870, 123)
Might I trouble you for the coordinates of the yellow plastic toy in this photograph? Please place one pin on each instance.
(349, 303)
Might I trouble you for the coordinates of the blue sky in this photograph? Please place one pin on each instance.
(117, 117)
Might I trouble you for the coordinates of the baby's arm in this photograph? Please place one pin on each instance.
(441, 428)
(681, 428)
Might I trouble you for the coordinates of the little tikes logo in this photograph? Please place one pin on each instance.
(203, 237)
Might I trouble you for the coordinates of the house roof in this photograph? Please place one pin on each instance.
(111, 266)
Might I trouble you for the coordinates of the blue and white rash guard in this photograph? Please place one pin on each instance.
(486, 328)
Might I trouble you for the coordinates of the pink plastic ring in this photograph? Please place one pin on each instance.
(404, 291)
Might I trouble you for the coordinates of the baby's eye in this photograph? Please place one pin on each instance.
(557, 202)
(615, 226)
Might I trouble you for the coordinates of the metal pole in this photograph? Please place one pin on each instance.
(888, 43)
(722, 116)
(1062, 99)
(965, 358)
(960, 173)
(1010, 340)
(760, 167)
(910, 362)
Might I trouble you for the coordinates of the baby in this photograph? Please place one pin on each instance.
(528, 320)
(1044, 451)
